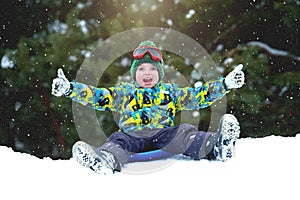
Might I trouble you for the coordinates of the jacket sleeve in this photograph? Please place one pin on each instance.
(194, 98)
(97, 98)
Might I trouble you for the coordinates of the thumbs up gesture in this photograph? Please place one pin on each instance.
(236, 78)
(60, 85)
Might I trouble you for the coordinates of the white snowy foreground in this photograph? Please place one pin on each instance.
(265, 168)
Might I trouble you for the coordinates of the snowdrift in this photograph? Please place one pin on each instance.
(265, 168)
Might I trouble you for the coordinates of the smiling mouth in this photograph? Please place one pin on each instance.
(147, 80)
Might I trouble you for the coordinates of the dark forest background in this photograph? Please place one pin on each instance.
(39, 36)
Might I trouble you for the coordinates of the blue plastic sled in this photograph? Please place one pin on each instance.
(149, 155)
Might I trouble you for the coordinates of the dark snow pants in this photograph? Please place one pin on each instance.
(184, 139)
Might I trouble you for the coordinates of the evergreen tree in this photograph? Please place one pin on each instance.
(38, 37)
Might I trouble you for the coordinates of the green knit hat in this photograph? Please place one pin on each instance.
(146, 59)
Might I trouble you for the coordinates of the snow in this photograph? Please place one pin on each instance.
(190, 14)
(82, 24)
(271, 50)
(170, 22)
(58, 27)
(227, 61)
(264, 168)
(6, 62)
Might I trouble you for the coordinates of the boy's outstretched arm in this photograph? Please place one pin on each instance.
(96, 98)
(204, 96)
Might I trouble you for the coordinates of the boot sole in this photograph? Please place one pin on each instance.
(87, 157)
(229, 133)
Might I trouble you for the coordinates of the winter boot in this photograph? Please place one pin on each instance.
(229, 132)
(100, 161)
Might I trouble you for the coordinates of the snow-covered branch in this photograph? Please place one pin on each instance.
(273, 51)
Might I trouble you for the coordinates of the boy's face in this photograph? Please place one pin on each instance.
(147, 75)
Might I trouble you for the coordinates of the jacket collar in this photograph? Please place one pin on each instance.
(158, 84)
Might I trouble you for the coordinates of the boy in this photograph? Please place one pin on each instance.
(147, 109)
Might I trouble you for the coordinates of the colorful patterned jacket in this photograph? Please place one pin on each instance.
(147, 107)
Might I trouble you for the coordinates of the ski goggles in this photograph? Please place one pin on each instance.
(155, 53)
